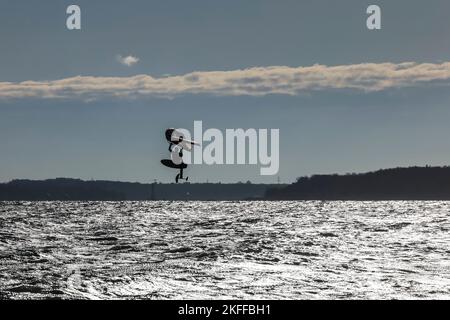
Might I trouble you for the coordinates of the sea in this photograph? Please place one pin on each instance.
(225, 250)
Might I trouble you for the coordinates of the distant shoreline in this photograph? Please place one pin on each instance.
(66, 189)
(397, 184)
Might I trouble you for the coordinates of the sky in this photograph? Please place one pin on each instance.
(94, 103)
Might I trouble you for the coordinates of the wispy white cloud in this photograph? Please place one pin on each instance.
(365, 77)
(128, 60)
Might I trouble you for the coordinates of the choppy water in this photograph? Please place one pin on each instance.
(212, 250)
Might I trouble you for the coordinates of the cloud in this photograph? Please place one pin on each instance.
(260, 81)
(128, 60)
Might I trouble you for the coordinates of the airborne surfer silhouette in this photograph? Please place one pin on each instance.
(176, 145)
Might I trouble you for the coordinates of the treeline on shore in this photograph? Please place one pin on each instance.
(412, 183)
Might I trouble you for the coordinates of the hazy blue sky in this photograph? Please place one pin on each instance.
(322, 131)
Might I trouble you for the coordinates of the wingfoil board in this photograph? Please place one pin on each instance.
(169, 163)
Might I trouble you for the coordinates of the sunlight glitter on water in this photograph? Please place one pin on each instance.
(208, 250)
